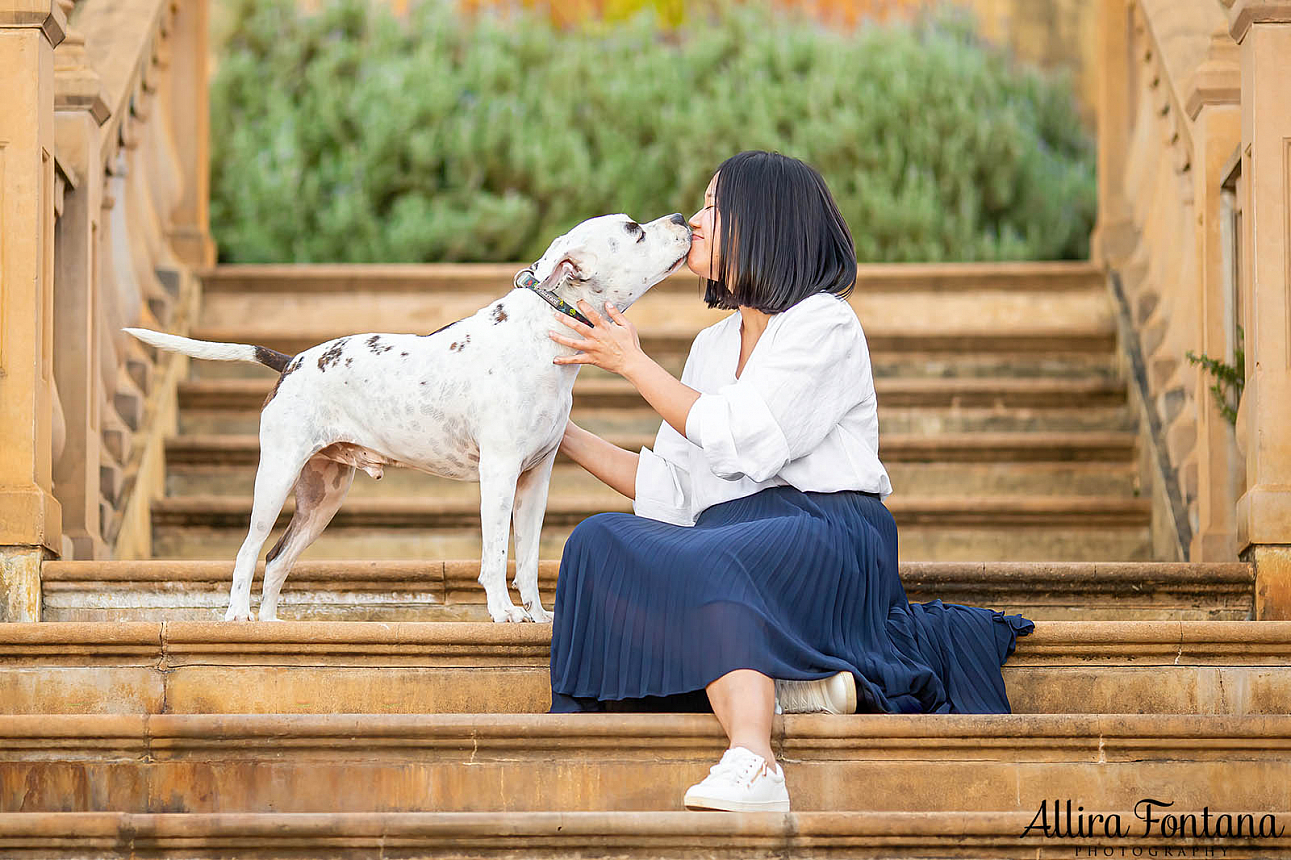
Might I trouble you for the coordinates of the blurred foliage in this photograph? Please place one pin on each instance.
(349, 135)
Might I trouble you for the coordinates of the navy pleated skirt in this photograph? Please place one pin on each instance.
(792, 584)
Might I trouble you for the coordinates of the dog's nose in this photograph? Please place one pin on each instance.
(679, 219)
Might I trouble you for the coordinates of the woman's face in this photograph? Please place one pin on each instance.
(703, 259)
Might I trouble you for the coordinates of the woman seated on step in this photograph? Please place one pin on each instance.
(760, 565)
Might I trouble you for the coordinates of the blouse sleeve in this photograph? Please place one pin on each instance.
(663, 489)
(786, 402)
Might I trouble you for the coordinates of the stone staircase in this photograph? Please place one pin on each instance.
(386, 719)
(1003, 421)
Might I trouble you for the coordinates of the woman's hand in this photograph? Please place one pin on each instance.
(611, 344)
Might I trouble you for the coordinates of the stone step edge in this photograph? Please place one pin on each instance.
(1068, 340)
(1028, 447)
(562, 834)
(1082, 738)
(455, 582)
(1083, 512)
(1041, 276)
(1057, 394)
(1132, 644)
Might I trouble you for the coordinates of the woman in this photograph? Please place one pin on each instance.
(760, 563)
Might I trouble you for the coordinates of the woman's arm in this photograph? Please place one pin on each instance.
(668, 396)
(614, 346)
(613, 465)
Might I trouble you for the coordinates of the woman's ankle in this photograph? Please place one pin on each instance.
(763, 749)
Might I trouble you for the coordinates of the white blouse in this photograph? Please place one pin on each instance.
(803, 412)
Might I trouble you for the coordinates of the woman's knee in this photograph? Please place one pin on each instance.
(596, 526)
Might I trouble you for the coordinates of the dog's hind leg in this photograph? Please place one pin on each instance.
(498, 476)
(530, 505)
(275, 476)
(320, 489)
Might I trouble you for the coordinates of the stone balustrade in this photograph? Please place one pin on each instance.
(103, 208)
(1192, 91)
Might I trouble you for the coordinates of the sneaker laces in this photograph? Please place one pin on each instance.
(740, 768)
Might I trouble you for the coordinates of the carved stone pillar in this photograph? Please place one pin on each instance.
(190, 232)
(1114, 233)
(1262, 29)
(80, 108)
(1213, 103)
(30, 517)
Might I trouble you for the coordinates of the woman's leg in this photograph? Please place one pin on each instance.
(744, 702)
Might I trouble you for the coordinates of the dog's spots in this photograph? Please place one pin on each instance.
(332, 354)
(458, 346)
(499, 315)
(271, 358)
(403, 355)
(291, 368)
(349, 359)
(377, 347)
(277, 548)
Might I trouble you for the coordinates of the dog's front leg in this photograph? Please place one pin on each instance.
(530, 505)
(498, 476)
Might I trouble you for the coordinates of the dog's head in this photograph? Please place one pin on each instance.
(613, 259)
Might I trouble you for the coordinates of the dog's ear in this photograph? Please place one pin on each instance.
(573, 265)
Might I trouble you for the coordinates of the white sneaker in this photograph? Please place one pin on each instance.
(741, 782)
(833, 695)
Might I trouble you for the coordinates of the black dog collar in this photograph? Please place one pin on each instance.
(525, 280)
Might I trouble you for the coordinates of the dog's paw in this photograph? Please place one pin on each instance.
(511, 614)
(538, 614)
(264, 617)
(238, 613)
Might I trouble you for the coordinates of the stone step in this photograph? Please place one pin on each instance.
(317, 278)
(910, 479)
(413, 513)
(1126, 541)
(232, 406)
(177, 667)
(616, 393)
(1115, 447)
(632, 762)
(1075, 528)
(670, 346)
(646, 835)
(1000, 355)
(392, 591)
(928, 300)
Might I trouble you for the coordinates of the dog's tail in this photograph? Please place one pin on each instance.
(211, 350)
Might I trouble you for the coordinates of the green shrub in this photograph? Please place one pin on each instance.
(351, 136)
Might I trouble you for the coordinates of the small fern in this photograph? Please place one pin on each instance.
(1228, 377)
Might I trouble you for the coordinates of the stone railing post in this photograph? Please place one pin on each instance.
(190, 234)
(1114, 233)
(30, 517)
(1262, 29)
(80, 108)
(1213, 105)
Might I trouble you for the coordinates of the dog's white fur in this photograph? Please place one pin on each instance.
(479, 400)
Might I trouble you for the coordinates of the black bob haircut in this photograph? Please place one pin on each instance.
(782, 236)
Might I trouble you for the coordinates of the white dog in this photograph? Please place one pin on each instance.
(478, 400)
